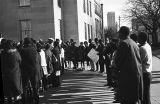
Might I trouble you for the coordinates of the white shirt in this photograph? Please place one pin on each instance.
(62, 53)
(43, 58)
(146, 57)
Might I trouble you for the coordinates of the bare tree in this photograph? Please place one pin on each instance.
(110, 33)
(147, 12)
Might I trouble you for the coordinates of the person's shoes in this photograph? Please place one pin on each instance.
(91, 69)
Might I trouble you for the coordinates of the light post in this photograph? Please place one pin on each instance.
(102, 22)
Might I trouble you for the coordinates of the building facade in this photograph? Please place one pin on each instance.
(39, 19)
(111, 20)
(81, 19)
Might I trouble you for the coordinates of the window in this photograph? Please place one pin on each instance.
(84, 6)
(85, 26)
(87, 7)
(90, 9)
(25, 28)
(89, 31)
(24, 2)
(59, 3)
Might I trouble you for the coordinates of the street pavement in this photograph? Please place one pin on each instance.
(86, 87)
(79, 87)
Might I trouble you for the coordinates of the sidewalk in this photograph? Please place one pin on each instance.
(156, 53)
(155, 85)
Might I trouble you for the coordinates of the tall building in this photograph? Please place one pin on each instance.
(111, 20)
(81, 19)
(40, 19)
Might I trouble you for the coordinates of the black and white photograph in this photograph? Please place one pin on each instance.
(80, 51)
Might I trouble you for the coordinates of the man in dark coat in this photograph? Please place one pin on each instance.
(100, 49)
(128, 62)
(29, 66)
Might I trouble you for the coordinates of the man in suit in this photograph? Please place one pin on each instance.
(128, 63)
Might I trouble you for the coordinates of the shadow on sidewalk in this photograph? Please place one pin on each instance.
(79, 88)
(155, 77)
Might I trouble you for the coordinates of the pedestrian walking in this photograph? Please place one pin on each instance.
(146, 57)
(128, 63)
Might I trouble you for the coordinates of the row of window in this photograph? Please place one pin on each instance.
(98, 10)
(88, 31)
(87, 7)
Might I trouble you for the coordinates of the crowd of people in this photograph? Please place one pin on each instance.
(34, 66)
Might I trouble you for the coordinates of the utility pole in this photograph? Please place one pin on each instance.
(103, 37)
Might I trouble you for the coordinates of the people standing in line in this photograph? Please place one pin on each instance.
(100, 50)
(146, 57)
(86, 51)
(74, 55)
(62, 56)
(56, 64)
(11, 72)
(92, 46)
(108, 53)
(43, 65)
(29, 66)
(81, 55)
(128, 63)
(67, 55)
(96, 42)
(48, 54)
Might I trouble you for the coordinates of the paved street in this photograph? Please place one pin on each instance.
(80, 88)
(86, 87)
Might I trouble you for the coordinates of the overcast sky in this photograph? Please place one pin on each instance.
(117, 6)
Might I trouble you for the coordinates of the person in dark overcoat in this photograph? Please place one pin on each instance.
(74, 55)
(30, 67)
(81, 54)
(100, 50)
(11, 72)
(128, 63)
(56, 64)
(86, 51)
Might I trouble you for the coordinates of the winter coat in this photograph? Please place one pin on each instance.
(11, 73)
(128, 62)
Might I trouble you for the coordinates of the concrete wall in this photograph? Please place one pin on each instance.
(57, 18)
(70, 20)
(44, 16)
(9, 24)
(85, 18)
